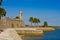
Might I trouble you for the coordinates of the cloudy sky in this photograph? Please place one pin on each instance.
(45, 10)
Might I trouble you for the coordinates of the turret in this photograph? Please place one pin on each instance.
(21, 15)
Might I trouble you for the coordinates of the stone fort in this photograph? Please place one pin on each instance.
(12, 23)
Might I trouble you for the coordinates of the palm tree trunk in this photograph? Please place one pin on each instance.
(31, 23)
(0, 19)
(34, 24)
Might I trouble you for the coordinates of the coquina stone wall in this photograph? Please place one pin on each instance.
(11, 23)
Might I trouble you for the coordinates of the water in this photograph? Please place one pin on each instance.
(48, 36)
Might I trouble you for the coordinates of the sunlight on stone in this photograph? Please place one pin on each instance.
(9, 35)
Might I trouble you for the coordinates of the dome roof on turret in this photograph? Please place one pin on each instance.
(21, 12)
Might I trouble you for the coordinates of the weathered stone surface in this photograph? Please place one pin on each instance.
(9, 35)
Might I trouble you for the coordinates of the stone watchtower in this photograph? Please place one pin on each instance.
(21, 15)
(21, 19)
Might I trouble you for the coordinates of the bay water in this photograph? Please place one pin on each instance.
(55, 35)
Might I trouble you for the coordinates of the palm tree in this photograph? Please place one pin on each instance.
(31, 20)
(35, 20)
(2, 12)
(1, 2)
(45, 24)
(38, 21)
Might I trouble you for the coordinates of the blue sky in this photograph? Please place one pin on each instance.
(45, 10)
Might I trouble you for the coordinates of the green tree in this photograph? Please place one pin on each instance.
(2, 12)
(38, 21)
(35, 20)
(45, 24)
(1, 2)
(31, 20)
(17, 17)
